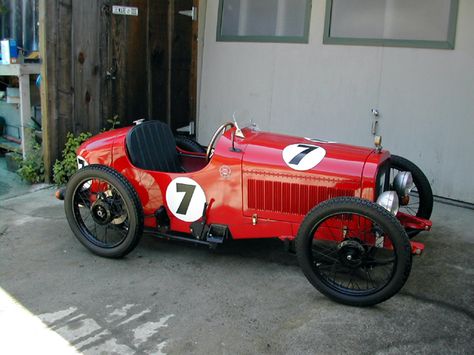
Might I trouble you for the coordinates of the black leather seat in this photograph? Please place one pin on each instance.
(151, 146)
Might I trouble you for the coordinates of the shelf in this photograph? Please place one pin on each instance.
(23, 72)
(19, 69)
(9, 145)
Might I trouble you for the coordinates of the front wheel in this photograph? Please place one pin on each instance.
(103, 211)
(421, 197)
(353, 251)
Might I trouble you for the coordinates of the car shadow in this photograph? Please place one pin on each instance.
(267, 250)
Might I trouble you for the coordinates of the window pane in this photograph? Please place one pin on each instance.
(230, 17)
(358, 18)
(391, 19)
(259, 17)
(291, 18)
(263, 18)
(419, 20)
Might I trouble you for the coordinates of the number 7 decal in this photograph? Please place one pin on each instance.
(309, 148)
(303, 156)
(185, 199)
(188, 195)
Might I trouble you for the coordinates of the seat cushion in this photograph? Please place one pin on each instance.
(151, 146)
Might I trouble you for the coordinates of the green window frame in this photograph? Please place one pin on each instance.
(444, 44)
(272, 38)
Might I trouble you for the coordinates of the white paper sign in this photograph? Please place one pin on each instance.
(125, 10)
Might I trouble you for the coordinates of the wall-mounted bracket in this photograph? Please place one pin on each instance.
(193, 13)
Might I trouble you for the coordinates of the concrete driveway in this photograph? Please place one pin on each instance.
(248, 298)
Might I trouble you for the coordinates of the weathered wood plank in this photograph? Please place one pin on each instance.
(10, 146)
(126, 90)
(158, 60)
(106, 65)
(25, 114)
(47, 34)
(56, 88)
(86, 66)
(193, 78)
(19, 69)
(181, 51)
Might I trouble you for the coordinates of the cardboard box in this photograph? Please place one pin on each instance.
(9, 51)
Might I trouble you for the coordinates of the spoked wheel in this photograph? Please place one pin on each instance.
(353, 251)
(104, 211)
(421, 197)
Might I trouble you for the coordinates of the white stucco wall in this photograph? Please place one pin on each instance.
(425, 96)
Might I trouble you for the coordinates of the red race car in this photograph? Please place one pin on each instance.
(350, 210)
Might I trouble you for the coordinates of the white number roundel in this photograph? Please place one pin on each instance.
(81, 162)
(185, 199)
(303, 156)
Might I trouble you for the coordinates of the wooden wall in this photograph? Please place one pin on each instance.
(97, 65)
(56, 87)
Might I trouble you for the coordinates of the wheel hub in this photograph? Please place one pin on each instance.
(351, 253)
(101, 212)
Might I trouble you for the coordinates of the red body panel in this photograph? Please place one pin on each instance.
(274, 190)
(250, 189)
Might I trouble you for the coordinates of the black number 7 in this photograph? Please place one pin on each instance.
(81, 163)
(188, 195)
(309, 148)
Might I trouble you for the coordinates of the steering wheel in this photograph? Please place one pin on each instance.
(217, 133)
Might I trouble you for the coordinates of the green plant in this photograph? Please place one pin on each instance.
(113, 123)
(32, 167)
(65, 168)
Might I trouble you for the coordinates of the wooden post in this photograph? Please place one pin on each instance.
(46, 81)
(25, 113)
(56, 85)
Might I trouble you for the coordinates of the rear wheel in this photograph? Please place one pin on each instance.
(103, 211)
(353, 251)
(421, 197)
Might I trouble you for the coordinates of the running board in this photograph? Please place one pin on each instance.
(180, 238)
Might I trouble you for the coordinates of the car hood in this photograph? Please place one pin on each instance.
(273, 187)
(279, 153)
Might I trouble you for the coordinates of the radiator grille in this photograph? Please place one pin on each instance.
(291, 198)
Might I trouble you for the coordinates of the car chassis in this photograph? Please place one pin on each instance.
(347, 209)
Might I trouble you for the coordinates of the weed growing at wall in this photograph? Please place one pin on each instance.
(32, 168)
(63, 169)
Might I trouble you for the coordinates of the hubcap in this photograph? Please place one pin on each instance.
(101, 212)
(351, 253)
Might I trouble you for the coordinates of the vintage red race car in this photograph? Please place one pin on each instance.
(350, 210)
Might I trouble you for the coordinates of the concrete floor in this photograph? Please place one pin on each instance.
(248, 298)
(10, 183)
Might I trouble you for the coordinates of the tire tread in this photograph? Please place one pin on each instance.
(130, 192)
(336, 204)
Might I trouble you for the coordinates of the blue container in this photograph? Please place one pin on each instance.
(9, 51)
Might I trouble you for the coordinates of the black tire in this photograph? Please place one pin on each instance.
(421, 197)
(97, 191)
(326, 239)
(189, 144)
